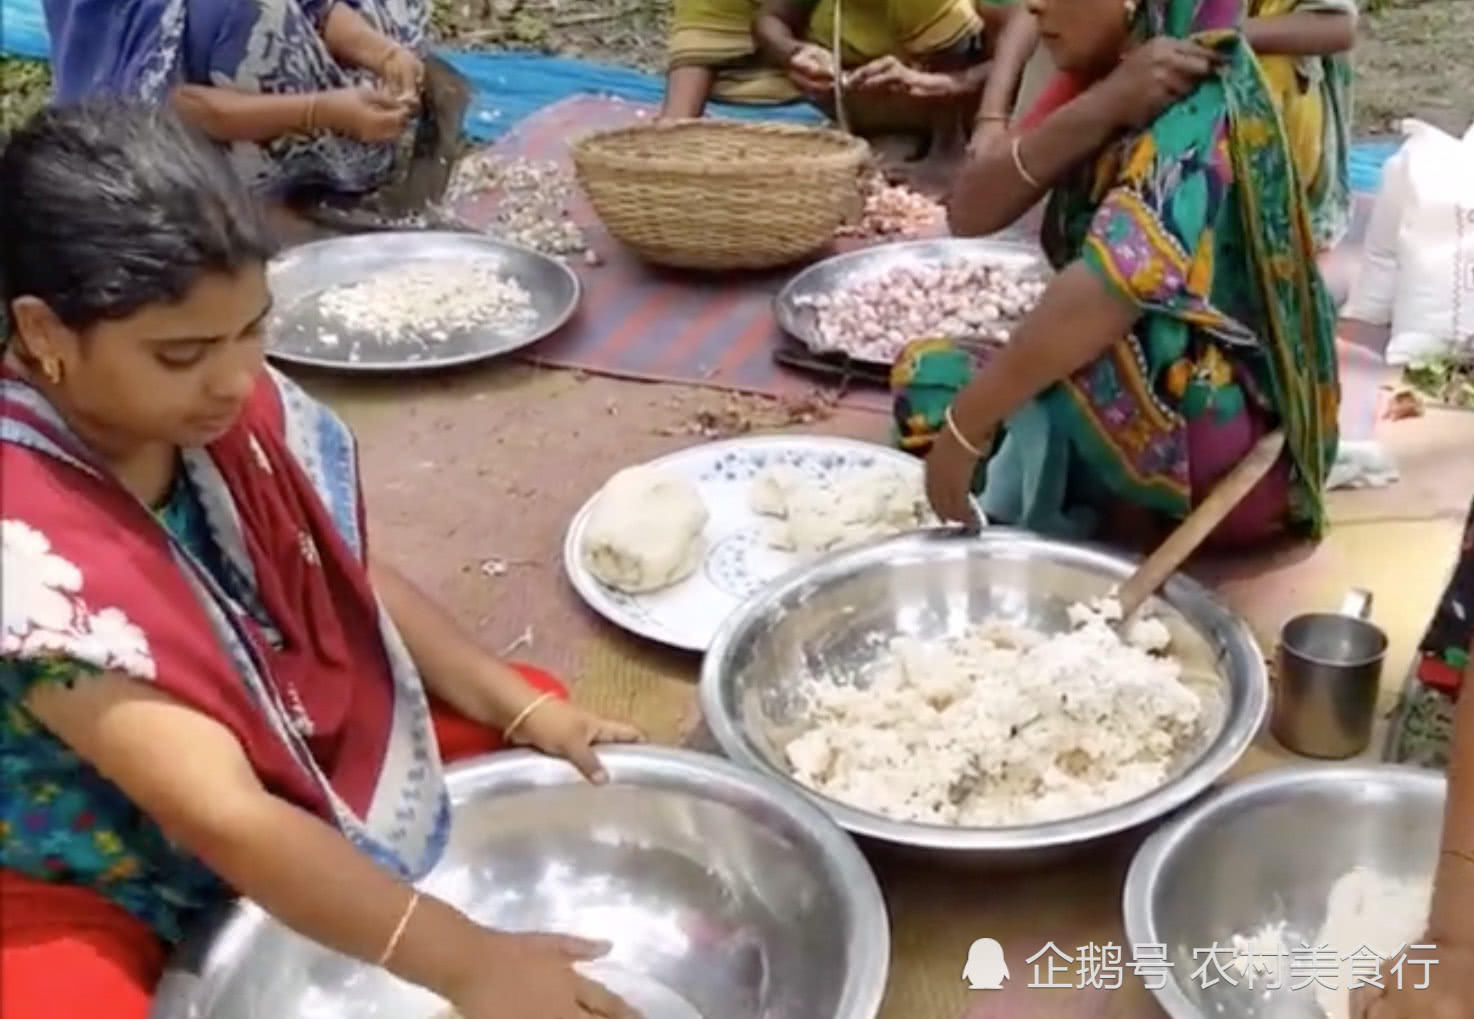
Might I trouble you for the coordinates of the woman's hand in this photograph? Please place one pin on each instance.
(531, 976)
(1449, 994)
(987, 135)
(1155, 75)
(893, 76)
(364, 114)
(404, 74)
(949, 472)
(564, 730)
(812, 69)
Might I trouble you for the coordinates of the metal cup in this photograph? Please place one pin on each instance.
(1330, 676)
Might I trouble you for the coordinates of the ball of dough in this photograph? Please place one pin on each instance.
(645, 531)
(773, 488)
(821, 516)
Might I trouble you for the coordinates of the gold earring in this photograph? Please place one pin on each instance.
(1130, 9)
(51, 368)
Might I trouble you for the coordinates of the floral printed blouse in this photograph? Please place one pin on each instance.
(62, 821)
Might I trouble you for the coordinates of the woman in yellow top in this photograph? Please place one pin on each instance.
(1302, 47)
(767, 52)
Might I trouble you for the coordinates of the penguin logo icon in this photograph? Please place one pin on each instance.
(986, 968)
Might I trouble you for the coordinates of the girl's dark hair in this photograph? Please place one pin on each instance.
(108, 206)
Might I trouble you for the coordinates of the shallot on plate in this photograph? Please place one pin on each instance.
(893, 210)
(873, 317)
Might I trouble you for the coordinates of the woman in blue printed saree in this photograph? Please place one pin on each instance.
(211, 685)
(1186, 318)
(305, 93)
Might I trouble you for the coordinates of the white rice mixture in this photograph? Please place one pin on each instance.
(1364, 910)
(811, 516)
(428, 302)
(1003, 725)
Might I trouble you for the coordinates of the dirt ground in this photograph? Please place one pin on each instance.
(1413, 59)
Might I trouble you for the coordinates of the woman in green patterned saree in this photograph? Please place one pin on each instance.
(1186, 318)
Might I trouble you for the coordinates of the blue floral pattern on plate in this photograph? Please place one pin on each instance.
(739, 561)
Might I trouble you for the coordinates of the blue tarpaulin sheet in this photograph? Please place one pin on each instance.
(509, 86)
(22, 29)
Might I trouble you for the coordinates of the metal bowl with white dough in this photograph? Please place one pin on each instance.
(726, 896)
(836, 617)
(1265, 850)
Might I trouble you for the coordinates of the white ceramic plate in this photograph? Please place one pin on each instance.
(739, 560)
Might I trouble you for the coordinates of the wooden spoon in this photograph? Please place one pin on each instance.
(1198, 524)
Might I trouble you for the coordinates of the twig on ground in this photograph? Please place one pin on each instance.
(593, 17)
(740, 414)
(481, 35)
(524, 639)
(495, 567)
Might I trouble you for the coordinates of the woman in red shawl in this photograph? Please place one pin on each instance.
(210, 686)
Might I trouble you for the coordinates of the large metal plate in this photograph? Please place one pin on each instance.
(299, 276)
(843, 271)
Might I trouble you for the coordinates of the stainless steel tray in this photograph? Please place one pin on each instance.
(841, 271)
(300, 275)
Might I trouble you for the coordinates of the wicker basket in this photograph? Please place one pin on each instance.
(711, 194)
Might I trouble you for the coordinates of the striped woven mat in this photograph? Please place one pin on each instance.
(643, 322)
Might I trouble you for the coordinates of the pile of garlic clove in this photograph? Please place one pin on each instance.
(533, 200)
(429, 302)
(893, 210)
(874, 317)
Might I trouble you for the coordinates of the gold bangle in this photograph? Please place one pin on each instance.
(310, 120)
(992, 118)
(525, 714)
(399, 928)
(1018, 164)
(957, 434)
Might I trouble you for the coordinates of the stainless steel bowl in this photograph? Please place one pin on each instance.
(1269, 849)
(829, 615)
(726, 897)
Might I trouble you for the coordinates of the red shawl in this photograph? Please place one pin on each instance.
(137, 602)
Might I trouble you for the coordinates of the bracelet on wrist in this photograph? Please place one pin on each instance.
(974, 449)
(1018, 165)
(399, 928)
(522, 716)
